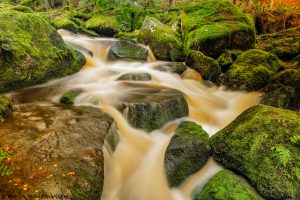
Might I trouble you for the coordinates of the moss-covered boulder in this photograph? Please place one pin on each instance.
(263, 145)
(283, 90)
(165, 42)
(227, 58)
(31, 51)
(251, 70)
(107, 26)
(188, 152)
(172, 67)
(215, 25)
(5, 107)
(206, 66)
(284, 44)
(128, 51)
(65, 23)
(227, 185)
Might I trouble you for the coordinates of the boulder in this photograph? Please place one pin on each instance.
(172, 67)
(227, 58)
(206, 66)
(31, 51)
(188, 152)
(5, 107)
(215, 25)
(282, 97)
(152, 108)
(227, 185)
(135, 77)
(128, 51)
(55, 151)
(251, 70)
(107, 26)
(165, 42)
(263, 145)
(285, 44)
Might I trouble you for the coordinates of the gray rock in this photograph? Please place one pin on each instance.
(55, 150)
(187, 152)
(135, 77)
(173, 67)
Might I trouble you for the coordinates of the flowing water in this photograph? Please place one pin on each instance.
(135, 169)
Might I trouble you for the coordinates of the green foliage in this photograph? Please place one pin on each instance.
(4, 169)
(106, 4)
(69, 97)
(295, 140)
(282, 154)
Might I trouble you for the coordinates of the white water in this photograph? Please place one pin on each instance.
(135, 170)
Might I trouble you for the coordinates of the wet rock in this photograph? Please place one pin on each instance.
(129, 51)
(165, 43)
(251, 70)
(172, 67)
(31, 51)
(55, 151)
(135, 77)
(107, 26)
(283, 90)
(154, 107)
(206, 66)
(262, 144)
(188, 152)
(215, 25)
(5, 107)
(285, 44)
(68, 98)
(227, 185)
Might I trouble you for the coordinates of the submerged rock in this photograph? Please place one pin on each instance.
(152, 108)
(263, 145)
(172, 67)
(165, 42)
(188, 151)
(55, 151)
(227, 185)
(212, 26)
(135, 77)
(251, 70)
(31, 51)
(129, 51)
(206, 66)
(5, 107)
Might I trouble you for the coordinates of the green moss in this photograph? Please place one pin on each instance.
(227, 185)
(258, 145)
(187, 152)
(280, 98)
(103, 25)
(69, 97)
(227, 58)
(164, 41)
(65, 23)
(215, 25)
(251, 70)
(5, 107)
(31, 51)
(128, 35)
(206, 66)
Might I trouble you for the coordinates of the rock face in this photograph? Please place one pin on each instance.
(206, 66)
(155, 108)
(55, 151)
(187, 152)
(31, 51)
(263, 145)
(107, 26)
(227, 185)
(5, 107)
(251, 70)
(129, 51)
(283, 90)
(165, 42)
(215, 25)
(284, 44)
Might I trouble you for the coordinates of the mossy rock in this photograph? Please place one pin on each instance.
(5, 107)
(226, 185)
(172, 67)
(284, 44)
(283, 90)
(32, 52)
(263, 145)
(206, 66)
(128, 35)
(107, 26)
(68, 98)
(165, 42)
(227, 58)
(215, 25)
(62, 22)
(129, 51)
(251, 71)
(188, 152)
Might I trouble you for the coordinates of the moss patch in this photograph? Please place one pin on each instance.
(104, 25)
(5, 107)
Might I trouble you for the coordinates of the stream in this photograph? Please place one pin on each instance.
(135, 169)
